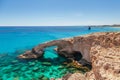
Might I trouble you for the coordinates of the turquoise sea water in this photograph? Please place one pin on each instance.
(16, 40)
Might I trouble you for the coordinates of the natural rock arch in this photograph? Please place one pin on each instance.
(38, 51)
(82, 44)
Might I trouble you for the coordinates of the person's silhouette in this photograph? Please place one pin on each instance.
(89, 28)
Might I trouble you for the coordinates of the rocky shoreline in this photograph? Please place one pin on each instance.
(101, 50)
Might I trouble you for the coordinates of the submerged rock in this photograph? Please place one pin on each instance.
(45, 78)
(7, 70)
(14, 61)
(46, 63)
(16, 78)
(31, 63)
(16, 69)
(24, 68)
(3, 55)
(40, 77)
(31, 55)
(35, 69)
(61, 67)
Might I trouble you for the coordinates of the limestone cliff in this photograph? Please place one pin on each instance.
(101, 50)
(105, 59)
(105, 65)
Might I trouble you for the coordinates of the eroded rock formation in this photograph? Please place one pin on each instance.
(105, 65)
(100, 49)
(77, 45)
(105, 59)
(38, 51)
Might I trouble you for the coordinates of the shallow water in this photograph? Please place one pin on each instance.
(16, 40)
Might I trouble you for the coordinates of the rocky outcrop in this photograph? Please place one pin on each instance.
(105, 65)
(106, 62)
(75, 76)
(38, 51)
(105, 59)
(102, 50)
(71, 47)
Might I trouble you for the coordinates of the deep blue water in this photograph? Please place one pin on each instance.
(15, 40)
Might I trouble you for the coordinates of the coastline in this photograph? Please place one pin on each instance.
(92, 47)
(50, 66)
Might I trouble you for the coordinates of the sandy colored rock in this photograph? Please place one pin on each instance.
(102, 50)
(106, 62)
(79, 76)
(90, 76)
(75, 76)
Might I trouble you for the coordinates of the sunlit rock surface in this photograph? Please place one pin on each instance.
(105, 59)
(105, 65)
(106, 62)
(101, 50)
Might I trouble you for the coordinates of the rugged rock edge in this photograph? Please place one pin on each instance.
(102, 50)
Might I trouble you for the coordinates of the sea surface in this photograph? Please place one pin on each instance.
(16, 40)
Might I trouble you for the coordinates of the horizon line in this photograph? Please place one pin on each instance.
(57, 25)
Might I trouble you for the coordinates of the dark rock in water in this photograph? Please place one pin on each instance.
(34, 79)
(28, 72)
(18, 52)
(15, 75)
(31, 63)
(63, 73)
(17, 78)
(3, 55)
(72, 69)
(61, 67)
(40, 77)
(7, 71)
(31, 55)
(46, 63)
(35, 69)
(16, 69)
(14, 61)
(42, 70)
(45, 78)
(24, 68)
(51, 73)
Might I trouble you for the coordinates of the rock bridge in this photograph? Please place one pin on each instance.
(101, 49)
(64, 48)
(38, 51)
(72, 48)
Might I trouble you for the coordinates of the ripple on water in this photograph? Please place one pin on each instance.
(12, 68)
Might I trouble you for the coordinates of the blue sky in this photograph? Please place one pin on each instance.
(59, 12)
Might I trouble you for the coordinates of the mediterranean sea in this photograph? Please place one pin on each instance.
(16, 40)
